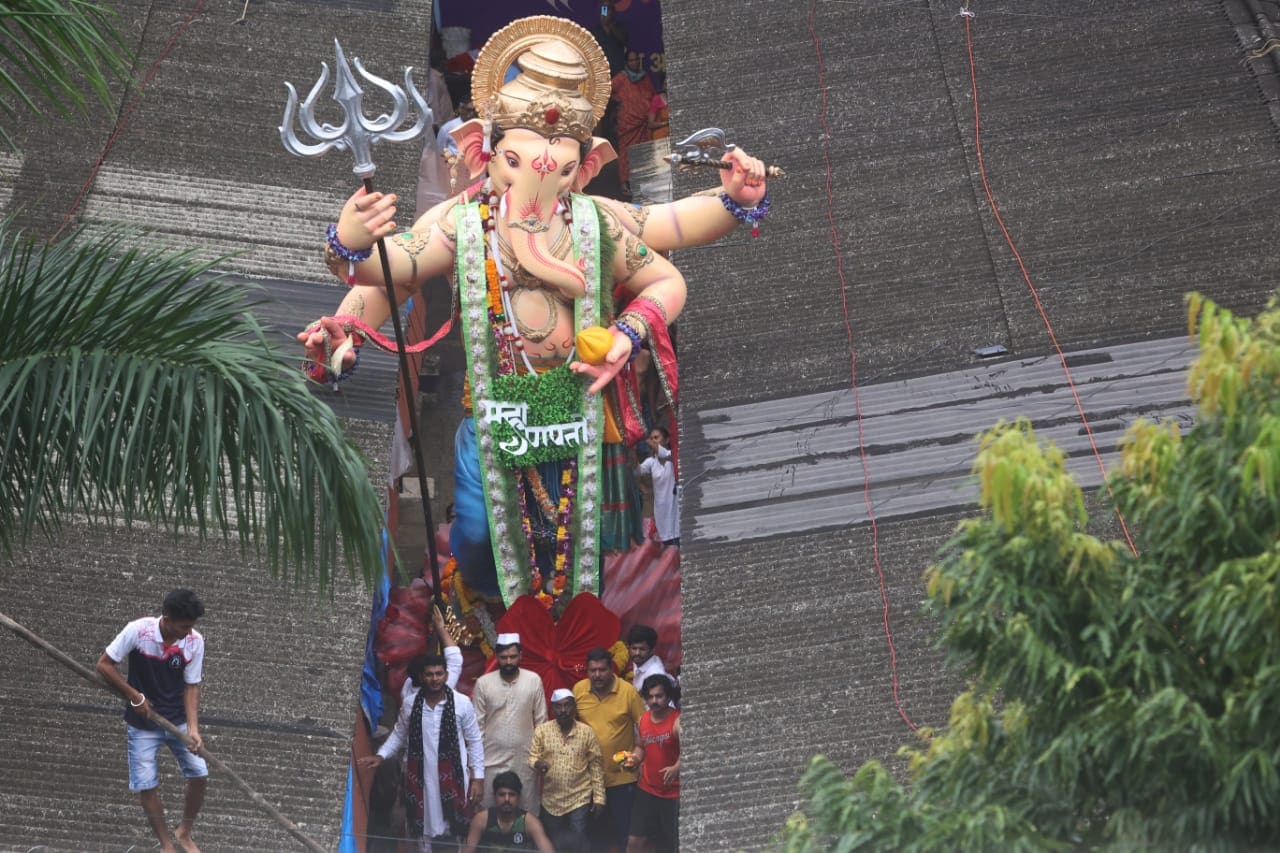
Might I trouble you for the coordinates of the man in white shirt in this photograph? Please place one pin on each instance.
(510, 703)
(166, 661)
(444, 767)
(658, 467)
(452, 657)
(641, 641)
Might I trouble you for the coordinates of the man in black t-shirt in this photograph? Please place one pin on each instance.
(166, 659)
(506, 826)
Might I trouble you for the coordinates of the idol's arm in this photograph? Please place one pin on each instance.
(413, 257)
(649, 276)
(700, 218)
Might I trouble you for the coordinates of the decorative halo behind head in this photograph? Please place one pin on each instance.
(563, 85)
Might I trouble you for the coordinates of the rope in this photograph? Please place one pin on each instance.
(853, 376)
(967, 15)
(124, 118)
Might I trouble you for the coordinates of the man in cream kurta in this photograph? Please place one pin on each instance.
(510, 703)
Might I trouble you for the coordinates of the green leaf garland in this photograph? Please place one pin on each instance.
(554, 397)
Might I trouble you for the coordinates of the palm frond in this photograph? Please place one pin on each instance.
(134, 386)
(63, 48)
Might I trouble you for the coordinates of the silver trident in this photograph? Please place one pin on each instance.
(356, 134)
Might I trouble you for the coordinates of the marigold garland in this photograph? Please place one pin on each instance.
(494, 285)
(563, 543)
(446, 575)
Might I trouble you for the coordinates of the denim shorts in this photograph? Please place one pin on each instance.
(143, 746)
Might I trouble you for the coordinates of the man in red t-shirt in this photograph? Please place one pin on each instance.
(655, 815)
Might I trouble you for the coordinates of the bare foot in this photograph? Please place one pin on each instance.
(184, 840)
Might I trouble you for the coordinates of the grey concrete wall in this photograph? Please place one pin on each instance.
(198, 158)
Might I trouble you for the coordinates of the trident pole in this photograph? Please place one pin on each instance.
(358, 134)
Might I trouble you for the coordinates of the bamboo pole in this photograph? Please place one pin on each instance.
(91, 675)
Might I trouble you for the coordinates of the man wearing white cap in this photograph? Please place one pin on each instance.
(566, 754)
(510, 703)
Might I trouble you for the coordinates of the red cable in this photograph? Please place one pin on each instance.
(853, 374)
(115, 133)
(1035, 296)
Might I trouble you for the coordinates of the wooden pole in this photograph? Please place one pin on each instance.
(92, 676)
(411, 405)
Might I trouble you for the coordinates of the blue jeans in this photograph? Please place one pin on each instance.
(143, 746)
(568, 832)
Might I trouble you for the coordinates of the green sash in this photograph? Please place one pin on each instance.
(511, 551)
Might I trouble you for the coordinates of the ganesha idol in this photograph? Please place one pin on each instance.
(555, 292)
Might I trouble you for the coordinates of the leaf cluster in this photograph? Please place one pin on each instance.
(51, 51)
(1117, 700)
(135, 386)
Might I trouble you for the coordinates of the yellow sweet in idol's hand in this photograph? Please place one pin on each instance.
(594, 343)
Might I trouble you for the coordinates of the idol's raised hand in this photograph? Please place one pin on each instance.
(745, 181)
(366, 218)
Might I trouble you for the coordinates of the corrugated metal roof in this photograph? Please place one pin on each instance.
(792, 465)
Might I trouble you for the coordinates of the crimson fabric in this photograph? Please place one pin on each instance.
(643, 587)
(632, 116)
(403, 631)
(626, 383)
(557, 651)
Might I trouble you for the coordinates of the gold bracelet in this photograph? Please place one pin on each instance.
(637, 322)
(336, 265)
(662, 309)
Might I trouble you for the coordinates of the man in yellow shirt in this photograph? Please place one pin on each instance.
(612, 708)
(566, 754)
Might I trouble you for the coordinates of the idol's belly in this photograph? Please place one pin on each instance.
(544, 320)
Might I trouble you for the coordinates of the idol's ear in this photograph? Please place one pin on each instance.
(599, 156)
(470, 137)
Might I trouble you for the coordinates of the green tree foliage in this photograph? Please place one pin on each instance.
(134, 386)
(51, 51)
(1115, 701)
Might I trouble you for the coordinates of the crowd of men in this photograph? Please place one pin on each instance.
(603, 773)
(489, 772)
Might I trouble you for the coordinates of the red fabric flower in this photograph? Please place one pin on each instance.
(557, 651)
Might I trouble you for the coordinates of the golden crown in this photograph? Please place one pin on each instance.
(563, 85)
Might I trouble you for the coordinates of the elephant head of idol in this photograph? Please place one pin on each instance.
(533, 135)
